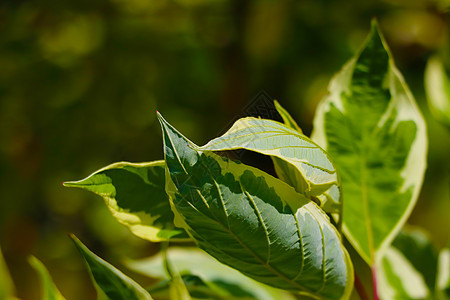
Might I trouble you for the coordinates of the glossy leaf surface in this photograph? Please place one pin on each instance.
(135, 195)
(371, 127)
(254, 222)
(298, 160)
(204, 275)
(48, 287)
(113, 283)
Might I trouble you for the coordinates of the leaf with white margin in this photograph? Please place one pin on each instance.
(218, 278)
(372, 128)
(254, 222)
(135, 195)
(398, 279)
(298, 161)
(443, 275)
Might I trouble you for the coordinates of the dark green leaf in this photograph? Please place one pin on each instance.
(254, 222)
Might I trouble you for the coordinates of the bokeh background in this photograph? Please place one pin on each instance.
(80, 82)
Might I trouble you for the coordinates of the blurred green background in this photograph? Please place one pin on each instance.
(80, 82)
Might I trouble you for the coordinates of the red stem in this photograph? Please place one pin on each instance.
(360, 289)
(374, 283)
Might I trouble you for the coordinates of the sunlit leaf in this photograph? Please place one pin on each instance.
(135, 195)
(254, 222)
(437, 86)
(398, 279)
(49, 289)
(113, 283)
(371, 127)
(298, 160)
(443, 275)
(6, 284)
(287, 118)
(204, 275)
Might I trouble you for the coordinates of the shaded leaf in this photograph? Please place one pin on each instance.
(254, 222)
(371, 127)
(49, 289)
(398, 279)
(113, 283)
(437, 87)
(204, 275)
(135, 195)
(298, 160)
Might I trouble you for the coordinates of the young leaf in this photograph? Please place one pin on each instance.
(298, 160)
(49, 289)
(437, 86)
(287, 119)
(443, 275)
(113, 283)
(254, 222)
(135, 195)
(373, 130)
(398, 279)
(6, 284)
(213, 278)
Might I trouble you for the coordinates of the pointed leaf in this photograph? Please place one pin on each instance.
(373, 130)
(113, 283)
(287, 118)
(298, 160)
(254, 222)
(215, 277)
(135, 195)
(437, 86)
(398, 279)
(6, 284)
(49, 289)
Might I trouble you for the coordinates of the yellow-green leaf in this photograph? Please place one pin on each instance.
(135, 195)
(48, 288)
(372, 128)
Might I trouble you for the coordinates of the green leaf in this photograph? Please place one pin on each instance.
(49, 289)
(287, 119)
(135, 195)
(437, 87)
(205, 275)
(416, 247)
(443, 275)
(398, 279)
(371, 127)
(254, 222)
(6, 284)
(113, 283)
(298, 160)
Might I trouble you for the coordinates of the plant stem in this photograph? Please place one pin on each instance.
(360, 289)
(167, 267)
(374, 283)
